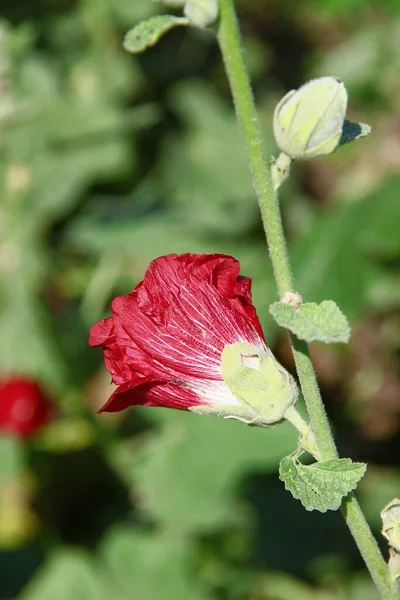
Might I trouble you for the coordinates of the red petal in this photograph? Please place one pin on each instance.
(101, 332)
(221, 270)
(196, 327)
(172, 270)
(151, 394)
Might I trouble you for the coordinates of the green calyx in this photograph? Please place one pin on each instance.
(259, 382)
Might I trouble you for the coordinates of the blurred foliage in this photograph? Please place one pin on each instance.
(108, 161)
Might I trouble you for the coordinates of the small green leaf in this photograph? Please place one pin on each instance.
(311, 322)
(322, 485)
(147, 33)
(201, 12)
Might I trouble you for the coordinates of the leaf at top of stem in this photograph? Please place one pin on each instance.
(147, 33)
(311, 322)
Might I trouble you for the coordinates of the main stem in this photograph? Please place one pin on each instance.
(231, 48)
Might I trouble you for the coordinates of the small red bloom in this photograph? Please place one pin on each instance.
(164, 340)
(23, 407)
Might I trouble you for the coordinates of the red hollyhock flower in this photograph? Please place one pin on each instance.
(23, 407)
(164, 341)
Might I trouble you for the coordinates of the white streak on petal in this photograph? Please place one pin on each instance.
(215, 393)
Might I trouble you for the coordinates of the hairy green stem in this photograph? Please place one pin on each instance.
(368, 548)
(312, 397)
(244, 103)
(231, 48)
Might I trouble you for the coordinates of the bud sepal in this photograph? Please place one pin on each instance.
(263, 387)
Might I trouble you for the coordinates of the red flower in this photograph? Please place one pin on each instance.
(164, 341)
(23, 407)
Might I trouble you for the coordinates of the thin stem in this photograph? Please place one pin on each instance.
(231, 48)
(368, 547)
(312, 397)
(307, 437)
(244, 103)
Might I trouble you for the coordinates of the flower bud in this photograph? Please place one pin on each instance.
(308, 122)
(201, 12)
(259, 382)
(391, 523)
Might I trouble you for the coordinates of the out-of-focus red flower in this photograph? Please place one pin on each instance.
(164, 340)
(24, 408)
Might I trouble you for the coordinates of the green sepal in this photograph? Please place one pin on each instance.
(241, 413)
(258, 381)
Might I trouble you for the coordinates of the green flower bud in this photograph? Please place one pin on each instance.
(264, 388)
(391, 523)
(201, 12)
(308, 122)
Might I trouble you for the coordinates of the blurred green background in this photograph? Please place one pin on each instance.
(108, 161)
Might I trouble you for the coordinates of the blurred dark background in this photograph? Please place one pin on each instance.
(108, 161)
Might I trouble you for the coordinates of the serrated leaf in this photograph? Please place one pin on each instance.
(311, 322)
(147, 33)
(322, 485)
